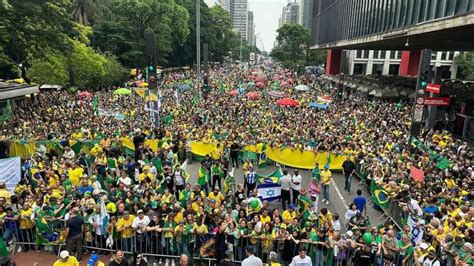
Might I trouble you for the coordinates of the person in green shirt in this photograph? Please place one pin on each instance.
(406, 249)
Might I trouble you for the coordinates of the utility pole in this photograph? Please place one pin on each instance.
(241, 48)
(423, 79)
(198, 44)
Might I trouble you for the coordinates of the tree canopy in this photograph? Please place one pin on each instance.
(292, 50)
(79, 42)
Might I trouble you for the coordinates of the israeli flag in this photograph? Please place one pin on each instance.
(269, 191)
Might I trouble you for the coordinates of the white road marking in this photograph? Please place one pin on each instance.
(339, 194)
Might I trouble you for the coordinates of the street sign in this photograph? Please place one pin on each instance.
(418, 114)
(434, 88)
(442, 101)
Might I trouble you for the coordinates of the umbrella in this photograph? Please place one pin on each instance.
(319, 105)
(289, 81)
(260, 84)
(287, 102)
(284, 83)
(84, 94)
(261, 79)
(183, 87)
(251, 83)
(276, 94)
(122, 91)
(233, 93)
(301, 88)
(253, 95)
(324, 99)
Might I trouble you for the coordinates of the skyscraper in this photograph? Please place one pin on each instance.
(251, 29)
(238, 10)
(289, 14)
(304, 13)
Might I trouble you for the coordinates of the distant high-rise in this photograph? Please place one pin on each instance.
(225, 4)
(289, 14)
(238, 10)
(251, 29)
(304, 13)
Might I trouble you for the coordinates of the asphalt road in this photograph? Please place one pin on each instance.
(339, 198)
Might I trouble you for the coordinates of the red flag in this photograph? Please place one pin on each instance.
(417, 174)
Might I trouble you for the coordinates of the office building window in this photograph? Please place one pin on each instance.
(359, 54)
(444, 56)
(392, 54)
(366, 54)
(433, 55)
(451, 56)
(399, 54)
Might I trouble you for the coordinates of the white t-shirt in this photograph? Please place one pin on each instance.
(298, 261)
(425, 261)
(296, 182)
(285, 182)
(140, 224)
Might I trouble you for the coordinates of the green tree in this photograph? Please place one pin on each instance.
(90, 69)
(293, 41)
(465, 61)
(83, 11)
(32, 28)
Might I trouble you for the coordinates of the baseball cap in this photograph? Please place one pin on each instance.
(291, 206)
(139, 211)
(423, 246)
(93, 259)
(283, 226)
(64, 254)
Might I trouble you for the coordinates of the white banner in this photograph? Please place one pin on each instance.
(11, 172)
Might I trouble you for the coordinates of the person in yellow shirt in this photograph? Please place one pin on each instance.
(124, 226)
(264, 218)
(26, 225)
(326, 181)
(216, 152)
(145, 174)
(289, 214)
(66, 260)
(75, 174)
(216, 195)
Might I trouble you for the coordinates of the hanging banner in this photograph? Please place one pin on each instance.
(152, 106)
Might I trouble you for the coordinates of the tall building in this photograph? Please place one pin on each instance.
(225, 4)
(304, 12)
(251, 29)
(210, 3)
(289, 14)
(238, 10)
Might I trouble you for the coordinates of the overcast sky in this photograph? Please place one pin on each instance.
(266, 14)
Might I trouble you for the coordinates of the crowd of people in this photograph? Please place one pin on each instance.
(144, 202)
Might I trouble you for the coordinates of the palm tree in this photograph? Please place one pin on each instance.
(83, 11)
(4, 4)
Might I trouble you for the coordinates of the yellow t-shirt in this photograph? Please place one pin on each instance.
(265, 220)
(200, 229)
(219, 197)
(142, 176)
(325, 177)
(288, 216)
(71, 261)
(75, 175)
(122, 223)
(25, 219)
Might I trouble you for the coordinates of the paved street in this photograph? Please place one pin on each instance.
(339, 199)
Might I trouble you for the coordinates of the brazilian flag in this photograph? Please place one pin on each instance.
(381, 198)
(272, 178)
(303, 203)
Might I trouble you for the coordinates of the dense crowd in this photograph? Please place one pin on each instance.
(152, 207)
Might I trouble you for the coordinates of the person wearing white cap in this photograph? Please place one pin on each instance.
(140, 224)
(66, 260)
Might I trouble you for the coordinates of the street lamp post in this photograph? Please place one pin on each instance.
(198, 44)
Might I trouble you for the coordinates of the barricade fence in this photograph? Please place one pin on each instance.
(160, 246)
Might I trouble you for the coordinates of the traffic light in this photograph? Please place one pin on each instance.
(424, 78)
(151, 66)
